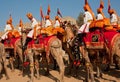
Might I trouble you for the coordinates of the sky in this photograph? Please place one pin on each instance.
(19, 8)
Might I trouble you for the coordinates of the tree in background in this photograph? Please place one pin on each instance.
(80, 19)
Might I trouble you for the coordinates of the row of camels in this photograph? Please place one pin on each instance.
(57, 48)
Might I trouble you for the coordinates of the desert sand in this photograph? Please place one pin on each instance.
(111, 76)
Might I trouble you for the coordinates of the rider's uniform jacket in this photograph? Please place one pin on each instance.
(19, 29)
(87, 20)
(113, 19)
(47, 23)
(7, 29)
(57, 23)
(34, 23)
(87, 17)
(99, 16)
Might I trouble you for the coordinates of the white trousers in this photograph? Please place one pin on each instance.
(84, 28)
(4, 36)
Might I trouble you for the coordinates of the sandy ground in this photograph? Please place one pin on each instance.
(110, 76)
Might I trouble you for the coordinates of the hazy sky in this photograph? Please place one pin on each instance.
(19, 8)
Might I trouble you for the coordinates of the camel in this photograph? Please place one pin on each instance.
(12, 50)
(53, 47)
(103, 46)
(70, 35)
(3, 62)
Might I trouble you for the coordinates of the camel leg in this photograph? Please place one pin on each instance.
(5, 67)
(48, 62)
(89, 71)
(1, 67)
(99, 72)
(37, 68)
(6, 71)
(116, 61)
(57, 54)
(11, 63)
(30, 55)
(23, 59)
(88, 65)
(22, 70)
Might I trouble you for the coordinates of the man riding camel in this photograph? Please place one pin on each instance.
(79, 43)
(88, 18)
(20, 28)
(100, 14)
(57, 25)
(48, 22)
(113, 15)
(48, 27)
(33, 33)
(8, 29)
(57, 22)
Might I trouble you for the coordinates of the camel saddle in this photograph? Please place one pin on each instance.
(97, 39)
(42, 42)
(10, 42)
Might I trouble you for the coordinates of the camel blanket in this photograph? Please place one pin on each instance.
(10, 43)
(42, 42)
(97, 39)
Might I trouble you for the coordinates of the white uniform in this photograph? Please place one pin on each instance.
(113, 18)
(7, 28)
(34, 22)
(19, 29)
(99, 16)
(87, 18)
(48, 23)
(57, 23)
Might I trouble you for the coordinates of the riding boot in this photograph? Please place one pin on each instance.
(77, 53)
(77, 56)
(26, 43)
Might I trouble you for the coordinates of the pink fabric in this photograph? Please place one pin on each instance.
(107, 37)
(88, 37)
(12, 42)
(43, 42)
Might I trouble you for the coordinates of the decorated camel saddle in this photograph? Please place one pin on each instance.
(98, 39)
(104, 24)
(13, 36)
(42, 42)
(101, 34)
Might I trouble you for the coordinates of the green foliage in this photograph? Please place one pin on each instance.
(80, 19)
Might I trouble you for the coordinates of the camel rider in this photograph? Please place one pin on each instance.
(113, 17)
(48, 26)
(8, 29)
(35, 26)
(48, 22)
(57, 26)
(57, 22)
(100, 14)
(79, 43)
(20, 28)
(88, 18)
